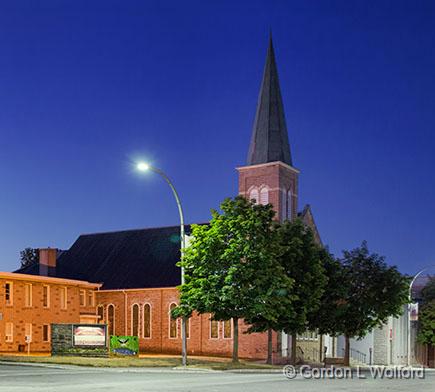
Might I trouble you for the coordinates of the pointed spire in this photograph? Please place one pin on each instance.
(269, 142)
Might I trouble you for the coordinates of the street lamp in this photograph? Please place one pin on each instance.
(409, 311)
(144, 167)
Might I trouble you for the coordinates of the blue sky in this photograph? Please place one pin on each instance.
(87, 88)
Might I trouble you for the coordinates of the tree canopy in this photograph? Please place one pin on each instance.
(362, 292)
(426, 329)
(29, 256)
(231, 266)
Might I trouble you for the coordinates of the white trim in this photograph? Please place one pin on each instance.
(241, 168)
(143, 321)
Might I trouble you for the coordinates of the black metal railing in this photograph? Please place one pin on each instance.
(356, 355)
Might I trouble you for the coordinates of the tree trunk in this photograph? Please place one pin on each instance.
(346, 351)
(294, 346)
(269, 346)
(236, 339)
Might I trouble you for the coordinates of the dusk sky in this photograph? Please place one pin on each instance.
(89, 87)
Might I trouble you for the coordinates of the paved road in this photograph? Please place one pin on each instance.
(47, 379)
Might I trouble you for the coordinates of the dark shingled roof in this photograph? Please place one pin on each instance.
(269, 142)
(123, 259)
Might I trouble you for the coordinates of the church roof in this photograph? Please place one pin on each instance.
(143, 258)
(269, 141)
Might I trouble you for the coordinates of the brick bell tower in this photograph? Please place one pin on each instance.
(269, 176)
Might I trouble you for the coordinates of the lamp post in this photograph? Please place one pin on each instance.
(143, 167)
(408, 360)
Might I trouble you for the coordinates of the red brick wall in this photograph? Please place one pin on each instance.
(276, 176)
(199, 341)
(38, 315)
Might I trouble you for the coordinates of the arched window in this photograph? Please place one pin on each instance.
(111, 319)
(289, 204)
(147, 321)
(264, 196)
(172, 323)
(100, 314)
(253, 195)
(135, 320)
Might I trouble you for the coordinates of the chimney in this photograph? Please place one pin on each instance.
(47, 261)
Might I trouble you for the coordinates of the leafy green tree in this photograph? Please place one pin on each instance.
(363, 291)
(426, 328)
(29, 256)
(231, 268)
(301, 259)
(428, 291)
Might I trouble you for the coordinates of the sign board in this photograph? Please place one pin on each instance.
(89, 335)
(28, 339)
(413, 311)
(124, 345)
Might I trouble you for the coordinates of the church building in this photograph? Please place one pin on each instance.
(137, 268)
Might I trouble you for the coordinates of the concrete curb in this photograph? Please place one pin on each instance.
(32, 364)
(156, 369)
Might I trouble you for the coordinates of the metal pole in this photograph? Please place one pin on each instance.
(182, 247)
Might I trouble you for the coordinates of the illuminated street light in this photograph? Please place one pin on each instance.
(143, 167)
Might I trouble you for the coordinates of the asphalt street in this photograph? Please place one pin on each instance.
(46, 379)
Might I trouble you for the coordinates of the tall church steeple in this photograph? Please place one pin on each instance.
(269, 176)
(269, 141)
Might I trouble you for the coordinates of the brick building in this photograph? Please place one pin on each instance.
(138, 267)
(31, 303)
